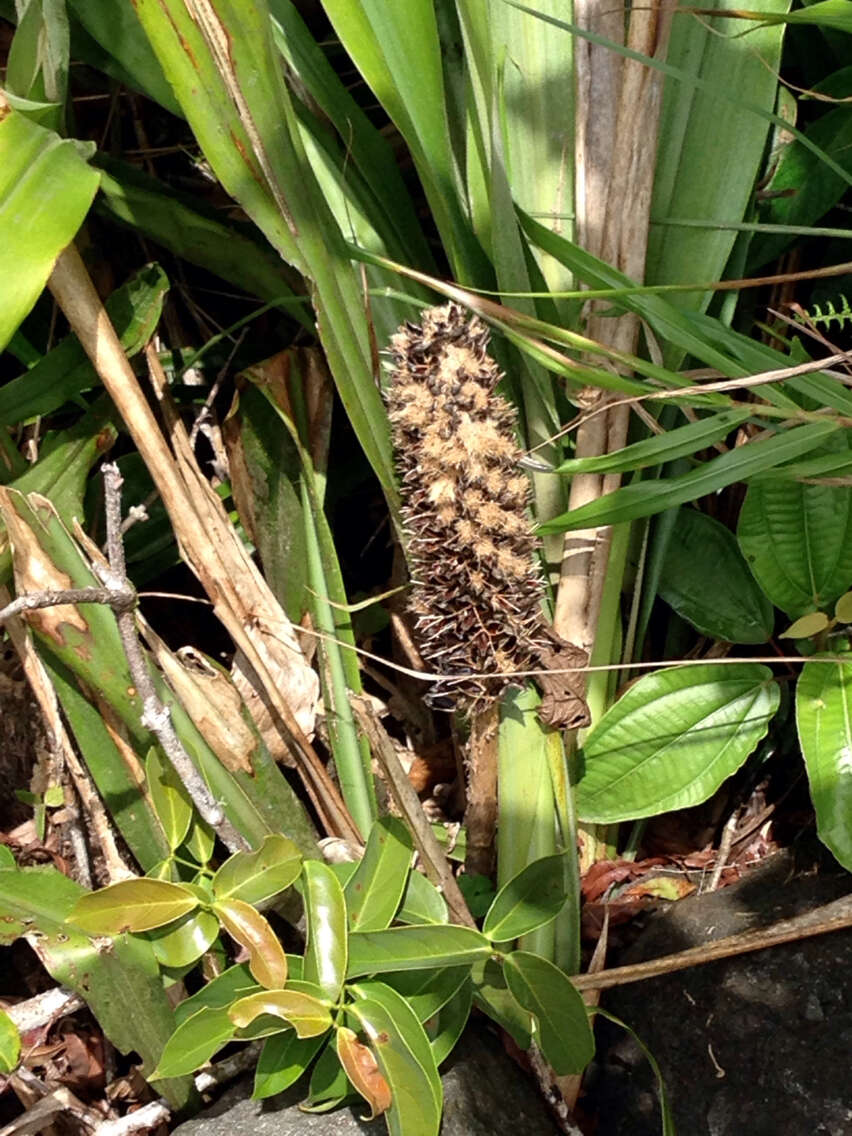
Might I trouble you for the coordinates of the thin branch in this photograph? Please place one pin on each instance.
(32, 601)
(834, 916)
(155, 715)
(435, 862)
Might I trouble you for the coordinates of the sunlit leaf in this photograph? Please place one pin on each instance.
(194, 1042)
(10, 1043)
(169, 797)
(806, 626)
(184, 942)
(527, 901)
(255, 876)
(308, 1016)
(325, 909)
(267, 960)
(132, 905)
(414, 948)
(672, 739)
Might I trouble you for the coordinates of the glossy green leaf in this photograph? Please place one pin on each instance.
(422, 902)
(797, 540)
(256, 876)
(374, 892)
(645, 498)
(267, 960)
(200, 841)
(425, 991)
(194, 1042)
(824, 720)
(325, 911)
(397, 1042)
(132, 905)
(282, 1061)
(308, 1016)
(562, 1029)
(527, 901)
(678, 443)
(447, 1026)
(493, 996)
(46, 188)
(672, 739)
(169, 797)
(10, 1043)
(708, 583)
(183, 943)
(414, 948)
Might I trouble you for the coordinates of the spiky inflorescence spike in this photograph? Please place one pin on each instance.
(476, 589)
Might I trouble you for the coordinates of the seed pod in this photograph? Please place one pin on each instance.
(476, 585)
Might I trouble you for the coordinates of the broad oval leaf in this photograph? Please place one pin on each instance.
(797, 540)
(255, 876)
(325, 911)
(824, 721)
(708, 583)
(308, 1016)
(562, 1030)
(282, 1061)
(843, 608)
(169, 797)
(131, 905)
(414, 1110)
(10, 1043)
(529, 900)
(194, 1042)
(186, 941)
(361, 1068)
(673, 738)
(806, 626)
(414, 948)
(374, 891)
(267, 960)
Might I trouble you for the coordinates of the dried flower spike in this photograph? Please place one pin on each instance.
(476, 589)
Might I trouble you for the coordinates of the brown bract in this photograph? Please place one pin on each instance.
(477, 589)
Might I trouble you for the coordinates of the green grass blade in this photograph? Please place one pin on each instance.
(645, 498)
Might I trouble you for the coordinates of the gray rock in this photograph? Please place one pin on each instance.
(756, 1045)
(485, 1094)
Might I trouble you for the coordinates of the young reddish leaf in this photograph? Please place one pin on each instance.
(308, 1016)
(267, 960)
(132, 905)
(362, 1070)
(255, 876)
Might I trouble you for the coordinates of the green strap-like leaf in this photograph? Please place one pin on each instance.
(414, 948)
(325, 910)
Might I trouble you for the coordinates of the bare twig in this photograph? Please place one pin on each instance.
(155, 715)
(43, 1008)
(434, 861)
(143, 1119)
(831, 917)
(33, 601)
